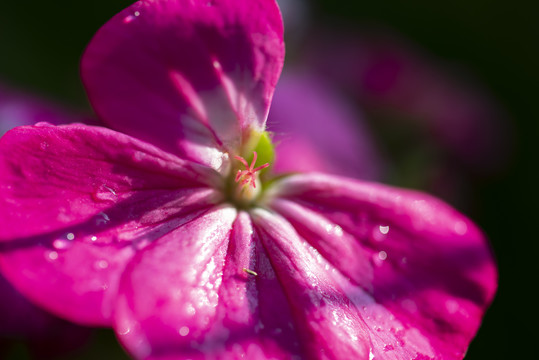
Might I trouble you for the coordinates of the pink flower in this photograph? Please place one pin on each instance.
(397, 80)
(146, 229)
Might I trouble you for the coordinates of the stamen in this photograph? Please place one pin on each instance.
(248, 176)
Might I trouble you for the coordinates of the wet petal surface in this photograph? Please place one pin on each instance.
(210, 295)
(78, 202)
(422, 262)
(203, 71)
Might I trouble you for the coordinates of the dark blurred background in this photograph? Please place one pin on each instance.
(497, 41)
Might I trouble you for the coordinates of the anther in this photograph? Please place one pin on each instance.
(248, 176)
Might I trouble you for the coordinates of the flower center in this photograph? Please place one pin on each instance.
(248, 176)
(246, 187)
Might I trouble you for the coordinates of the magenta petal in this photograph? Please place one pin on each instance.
(189, 297)
(429, 265)
(170, 292)
(189, 76)
(77, 202)
(328, 323)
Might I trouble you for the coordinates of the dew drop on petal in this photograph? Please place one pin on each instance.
(43, 124)
(382, 255)
(105, 194)
(184, 331)
(93, 238)
(51, 255)
(101, 264)
(102, 219)
(64, 242)
(130, 18)
(378, 233)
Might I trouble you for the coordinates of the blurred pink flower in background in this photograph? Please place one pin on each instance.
(315, 129)
(18, 108)
(397, 81)
(146, 231)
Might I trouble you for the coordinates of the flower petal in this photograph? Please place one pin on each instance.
(77, 202)
(328, 323)
(189, 297)
(422, 261)
(190, 76)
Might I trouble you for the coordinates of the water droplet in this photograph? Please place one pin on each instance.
(124, 331)
(130, 18)
(101, 264)
(51, 255)
(379, 233)
(105, 193)
(102, 219)
(184, 331)
(43, 124)
(382, 255)
(93, 238)
(64, 242)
